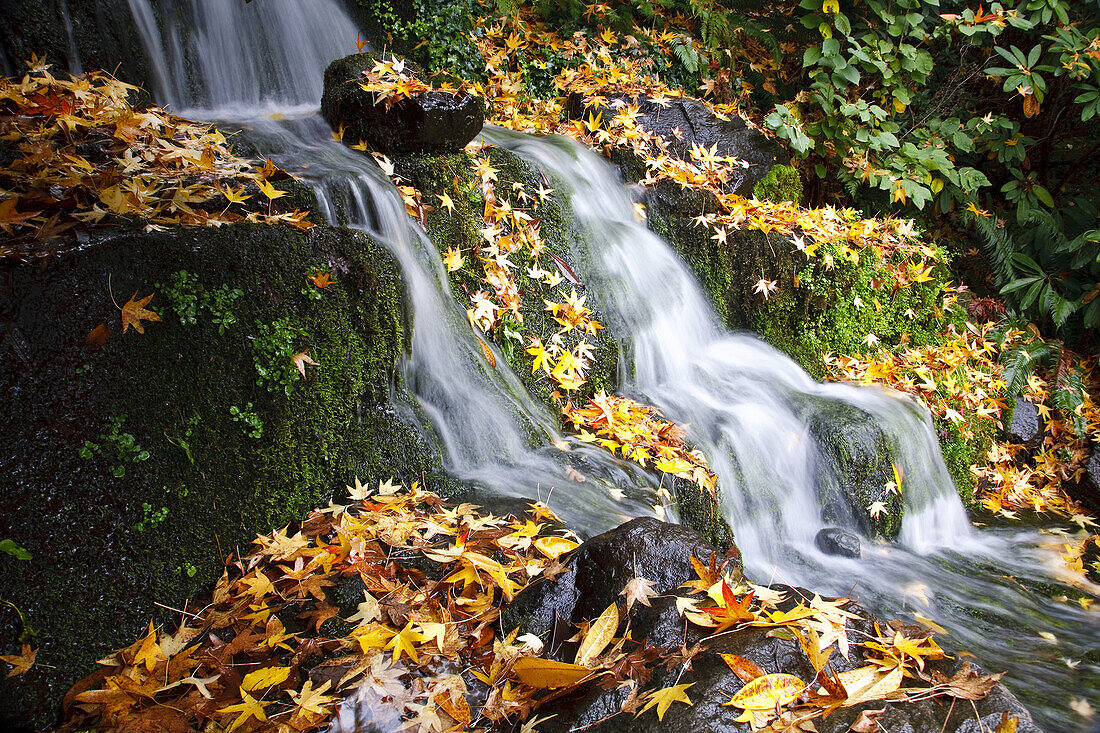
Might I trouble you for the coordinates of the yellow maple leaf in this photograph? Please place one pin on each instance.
(21, 662)
(250, 708)
(134, 312)
(663, 699)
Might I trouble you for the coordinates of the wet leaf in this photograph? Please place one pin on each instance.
(134, 312)
(266, 677)
(768, 692)
(663, 699)
(599, 635)
(548, 674)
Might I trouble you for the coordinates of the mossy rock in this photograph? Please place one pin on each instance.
(857, 462)
(783, 183)
(433, 121)
(110, 532)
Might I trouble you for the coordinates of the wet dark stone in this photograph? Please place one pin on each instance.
(432, 122)
(595, 574)
(696, 125)
(597, 571)
(836, 541)
(856, 466)
(1087, 490)
(1090, 559)
(1025, 427)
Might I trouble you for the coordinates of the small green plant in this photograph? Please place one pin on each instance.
(151, 517)
(187, 569)
(272, 353)
(116, 447)
(250, 421)
(189, 298)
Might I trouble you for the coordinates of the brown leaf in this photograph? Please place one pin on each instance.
(866, 722)
(301, 359)
(488, 352)
(548, 674)
(21, 662)
(97, 337)
(967, 684)
(638, 590)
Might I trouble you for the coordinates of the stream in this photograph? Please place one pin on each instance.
(259, 66)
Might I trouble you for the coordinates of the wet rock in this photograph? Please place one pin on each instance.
(595, 574)
(597, 571)
(836, 541)
(1090, 559)
(686, 122)
(431, 122)
(856, 466)
(1025, 427)
(1087, 490)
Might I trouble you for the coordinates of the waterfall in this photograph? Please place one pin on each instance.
(75, 67)
(235, 59)
(259, 65)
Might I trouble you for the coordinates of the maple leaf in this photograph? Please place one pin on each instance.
(301, 359)
(250, 708)
(405, 641)
(599, 635)
(453, 259)
(312, 701)
(638, 590)
(663, 699)
(21, 662)
(322, 279)
(134, 312)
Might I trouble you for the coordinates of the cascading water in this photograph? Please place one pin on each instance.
(747, 406)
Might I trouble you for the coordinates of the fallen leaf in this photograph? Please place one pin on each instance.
(638, 590)
(134, 312)
(301, 359)
(599, 635)
(20, 662)
(745, 669)
(866, 722)
(768, 692)
(663, 699)
(266, 677)
(548, 674)
(97, 337)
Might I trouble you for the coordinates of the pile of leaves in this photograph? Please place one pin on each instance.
(74, 153)
(271, 648)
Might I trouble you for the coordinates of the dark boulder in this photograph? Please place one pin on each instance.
(1087, 489)
(595, 574)
(836, 541)
(1025, 426)
(856, 464)
(429, 122)
(597, 571)
(687, 122)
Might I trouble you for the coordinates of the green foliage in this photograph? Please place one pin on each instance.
(783, 183)
(150, 517)
(117, 448)
(250, 421)
(911, 105)
(188, 298)
(435, 33)
(1021, 360)
(272, 352)
(14, 549)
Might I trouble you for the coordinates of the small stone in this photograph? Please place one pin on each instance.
(1087, 490)
(431, 122)
(837, 541)
(1025, 427)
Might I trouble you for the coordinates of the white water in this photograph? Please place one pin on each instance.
(744, 403)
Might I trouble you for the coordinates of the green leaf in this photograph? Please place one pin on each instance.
(13, 549)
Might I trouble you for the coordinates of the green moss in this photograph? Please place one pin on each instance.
(783, 183)
(700, 512)
(98, 574)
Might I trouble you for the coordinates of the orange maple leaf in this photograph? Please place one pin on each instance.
(134, 312)
(301, 359)
(322, 279)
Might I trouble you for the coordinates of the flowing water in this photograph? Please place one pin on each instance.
(259, 66)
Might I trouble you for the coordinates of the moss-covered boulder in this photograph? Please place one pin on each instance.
(132, 463)
(431, 121)
(857, 460)
(686, 124)
(783, 183)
